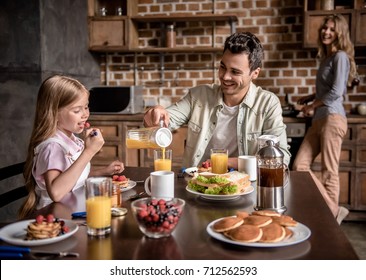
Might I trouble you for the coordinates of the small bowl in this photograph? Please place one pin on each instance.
(157, 218)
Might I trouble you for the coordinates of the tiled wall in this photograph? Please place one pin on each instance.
(288, 67)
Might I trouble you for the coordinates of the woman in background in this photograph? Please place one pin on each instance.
(329, 123)
(58, 161)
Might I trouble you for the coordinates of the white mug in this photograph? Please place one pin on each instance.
(248, 164)
(162, 184)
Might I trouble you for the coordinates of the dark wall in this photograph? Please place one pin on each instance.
(37, 38)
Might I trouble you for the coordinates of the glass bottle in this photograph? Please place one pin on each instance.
(270, 178)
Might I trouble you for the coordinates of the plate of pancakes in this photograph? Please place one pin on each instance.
(262, 228)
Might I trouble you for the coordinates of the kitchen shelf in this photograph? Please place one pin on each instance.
(193, 49)
(186, 18)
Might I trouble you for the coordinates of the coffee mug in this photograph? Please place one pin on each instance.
(248, 164)
(162, 184)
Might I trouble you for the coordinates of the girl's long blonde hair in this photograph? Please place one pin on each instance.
(55, 93)
(343, 42)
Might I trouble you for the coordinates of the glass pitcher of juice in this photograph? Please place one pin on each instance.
(148, 138)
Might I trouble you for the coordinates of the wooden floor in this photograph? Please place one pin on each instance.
(356, 234)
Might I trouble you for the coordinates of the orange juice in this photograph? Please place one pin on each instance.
(139, 144)
(98, 209)
(219, 163)
(163, 164)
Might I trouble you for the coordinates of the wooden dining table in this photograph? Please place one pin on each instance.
(191, 240)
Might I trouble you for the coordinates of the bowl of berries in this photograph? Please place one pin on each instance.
(157, 218)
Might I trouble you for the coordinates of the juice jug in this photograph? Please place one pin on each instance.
(148, 138)
(270, 178)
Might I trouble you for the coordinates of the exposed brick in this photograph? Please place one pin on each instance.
(287, 67)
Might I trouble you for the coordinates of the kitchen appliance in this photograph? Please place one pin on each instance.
(270, 179)
(116, 100)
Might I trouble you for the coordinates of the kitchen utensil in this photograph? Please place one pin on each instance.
(17, 252)
(270, 179)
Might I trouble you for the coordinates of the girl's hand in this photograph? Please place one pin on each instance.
(94, 140)
(115, 167)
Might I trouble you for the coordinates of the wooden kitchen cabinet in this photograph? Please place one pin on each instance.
(353, 11)
(110, 25)
(110, 32)
(352, 168)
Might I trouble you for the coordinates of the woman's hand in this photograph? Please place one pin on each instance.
(306, 99)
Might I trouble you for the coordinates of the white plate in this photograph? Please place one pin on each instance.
(191, 171)
(248, 190)
(300, 234)
(15, 234)
(131, 184)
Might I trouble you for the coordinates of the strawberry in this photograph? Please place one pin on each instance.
(115, 177)
(87, 125)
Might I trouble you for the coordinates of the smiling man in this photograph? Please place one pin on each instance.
(231, 115)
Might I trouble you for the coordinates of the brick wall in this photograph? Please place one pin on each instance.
(288, 68)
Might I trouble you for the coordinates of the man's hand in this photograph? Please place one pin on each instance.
(153, 116)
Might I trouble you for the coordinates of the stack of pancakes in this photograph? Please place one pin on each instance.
(43, 230)
(261, 226)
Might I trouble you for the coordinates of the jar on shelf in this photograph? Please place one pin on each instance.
(327, 5)
(170, 36)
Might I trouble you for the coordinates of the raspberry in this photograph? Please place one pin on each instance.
(122, 178)
(50, 218)
(39, 219)
(115, 177)
(65, 229)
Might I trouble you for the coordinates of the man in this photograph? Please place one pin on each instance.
(231, 115)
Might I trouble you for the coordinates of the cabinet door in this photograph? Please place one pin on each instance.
(360, 195)
(361, 28)
(107, 33)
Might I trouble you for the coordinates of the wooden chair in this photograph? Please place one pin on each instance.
(16, 193)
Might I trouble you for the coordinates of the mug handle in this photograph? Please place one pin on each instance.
(147, 189)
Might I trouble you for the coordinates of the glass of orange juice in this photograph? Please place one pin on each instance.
(219, 161)
(98, 205)
(163, 159)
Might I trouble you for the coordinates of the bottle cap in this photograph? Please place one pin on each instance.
(163, 137)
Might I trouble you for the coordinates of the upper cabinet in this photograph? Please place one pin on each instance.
(114, 26)
(353, 10)
(110, 25)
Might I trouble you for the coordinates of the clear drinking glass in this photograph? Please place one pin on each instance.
(219, 161)
(98, 205)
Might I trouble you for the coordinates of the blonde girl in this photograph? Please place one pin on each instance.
(58, 161)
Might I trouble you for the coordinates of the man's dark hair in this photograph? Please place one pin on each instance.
(248, 43)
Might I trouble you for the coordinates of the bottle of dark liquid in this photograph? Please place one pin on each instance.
(270, 178)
